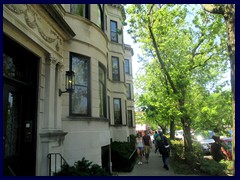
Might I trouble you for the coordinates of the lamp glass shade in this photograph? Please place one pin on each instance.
(70, 81)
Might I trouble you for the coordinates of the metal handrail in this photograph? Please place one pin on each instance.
(132, 154)
(55, 155)
(11, 170)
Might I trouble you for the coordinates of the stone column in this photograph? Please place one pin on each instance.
(58, 85)
(49, 103)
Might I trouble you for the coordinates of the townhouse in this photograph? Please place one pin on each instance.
(67, 85)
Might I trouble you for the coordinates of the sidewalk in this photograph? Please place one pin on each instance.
(153, 168)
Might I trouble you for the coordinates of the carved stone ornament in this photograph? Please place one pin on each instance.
(34, 21)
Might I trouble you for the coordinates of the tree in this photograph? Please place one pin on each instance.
(228, 12)
(189, 53)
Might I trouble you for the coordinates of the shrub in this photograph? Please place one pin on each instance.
(197, 164)
(177, 150)
(230, 167)
(211, 167)
(133, 140)
(120, 155)
(82, 168)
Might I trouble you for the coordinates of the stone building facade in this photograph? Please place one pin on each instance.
(41, 43)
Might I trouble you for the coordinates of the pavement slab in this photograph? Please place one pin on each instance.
(153, 168)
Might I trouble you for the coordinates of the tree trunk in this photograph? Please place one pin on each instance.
(172, 128)
(228, 12)
(186, 128)
(229, 16)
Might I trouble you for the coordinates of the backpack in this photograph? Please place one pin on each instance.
(162, 144)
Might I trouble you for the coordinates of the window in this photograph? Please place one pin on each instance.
(123, 65)
(80, 99)
(113, 28)
(127, 67)
(106, 22)
(117, 111)
(128, 91)
(100, 11)
(80, 9)
(102, 90)
(109, 114)
(115, 69)
(130, 119)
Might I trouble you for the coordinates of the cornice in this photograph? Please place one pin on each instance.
(51, 9)
(121, 8)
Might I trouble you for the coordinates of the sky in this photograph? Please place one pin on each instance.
(136, 49)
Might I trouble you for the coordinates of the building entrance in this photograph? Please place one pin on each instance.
(20, 80)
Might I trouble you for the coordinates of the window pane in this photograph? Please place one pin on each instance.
(130, 124)
(79, 9)
(114, 36)
(102, 92)
(101, 95)
(13, 68)
(80, 96)
(115, 69)
(101, 75)
(117, 111)
(80, 100)
(113, 27)
(80, 67)
(127, 70)
(128, 91)
(12, 126)
(100, 22)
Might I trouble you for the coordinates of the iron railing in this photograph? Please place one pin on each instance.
(55, 162)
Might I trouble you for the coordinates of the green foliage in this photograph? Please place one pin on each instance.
(177, 150)
(230, 167)
(133, 140)
(82, 168)
(192, 45)
(121, 156)
(198, 164)
(213, 168)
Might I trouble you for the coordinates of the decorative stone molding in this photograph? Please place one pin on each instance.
(121, 8)
(129, 48)
(53, 135)
(34, 21)
(61, 66)
(51, 60)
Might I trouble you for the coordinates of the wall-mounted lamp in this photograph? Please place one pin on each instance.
(69, 82)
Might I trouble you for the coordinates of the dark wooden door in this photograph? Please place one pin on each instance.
(20, 69)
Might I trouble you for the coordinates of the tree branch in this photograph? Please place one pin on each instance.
(150, 9)
(161, 61)
(213, 9)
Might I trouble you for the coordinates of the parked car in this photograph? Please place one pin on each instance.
(206, 145)
(201, 135)
(227, 147)
(179, 134)
(204, 137)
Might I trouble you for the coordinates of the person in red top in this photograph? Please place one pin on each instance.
(147, 145)
(216, 149)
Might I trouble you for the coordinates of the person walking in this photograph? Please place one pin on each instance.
(164, 149)
(216, 149)
(147, 145)
(155, 140)
(139, 147)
